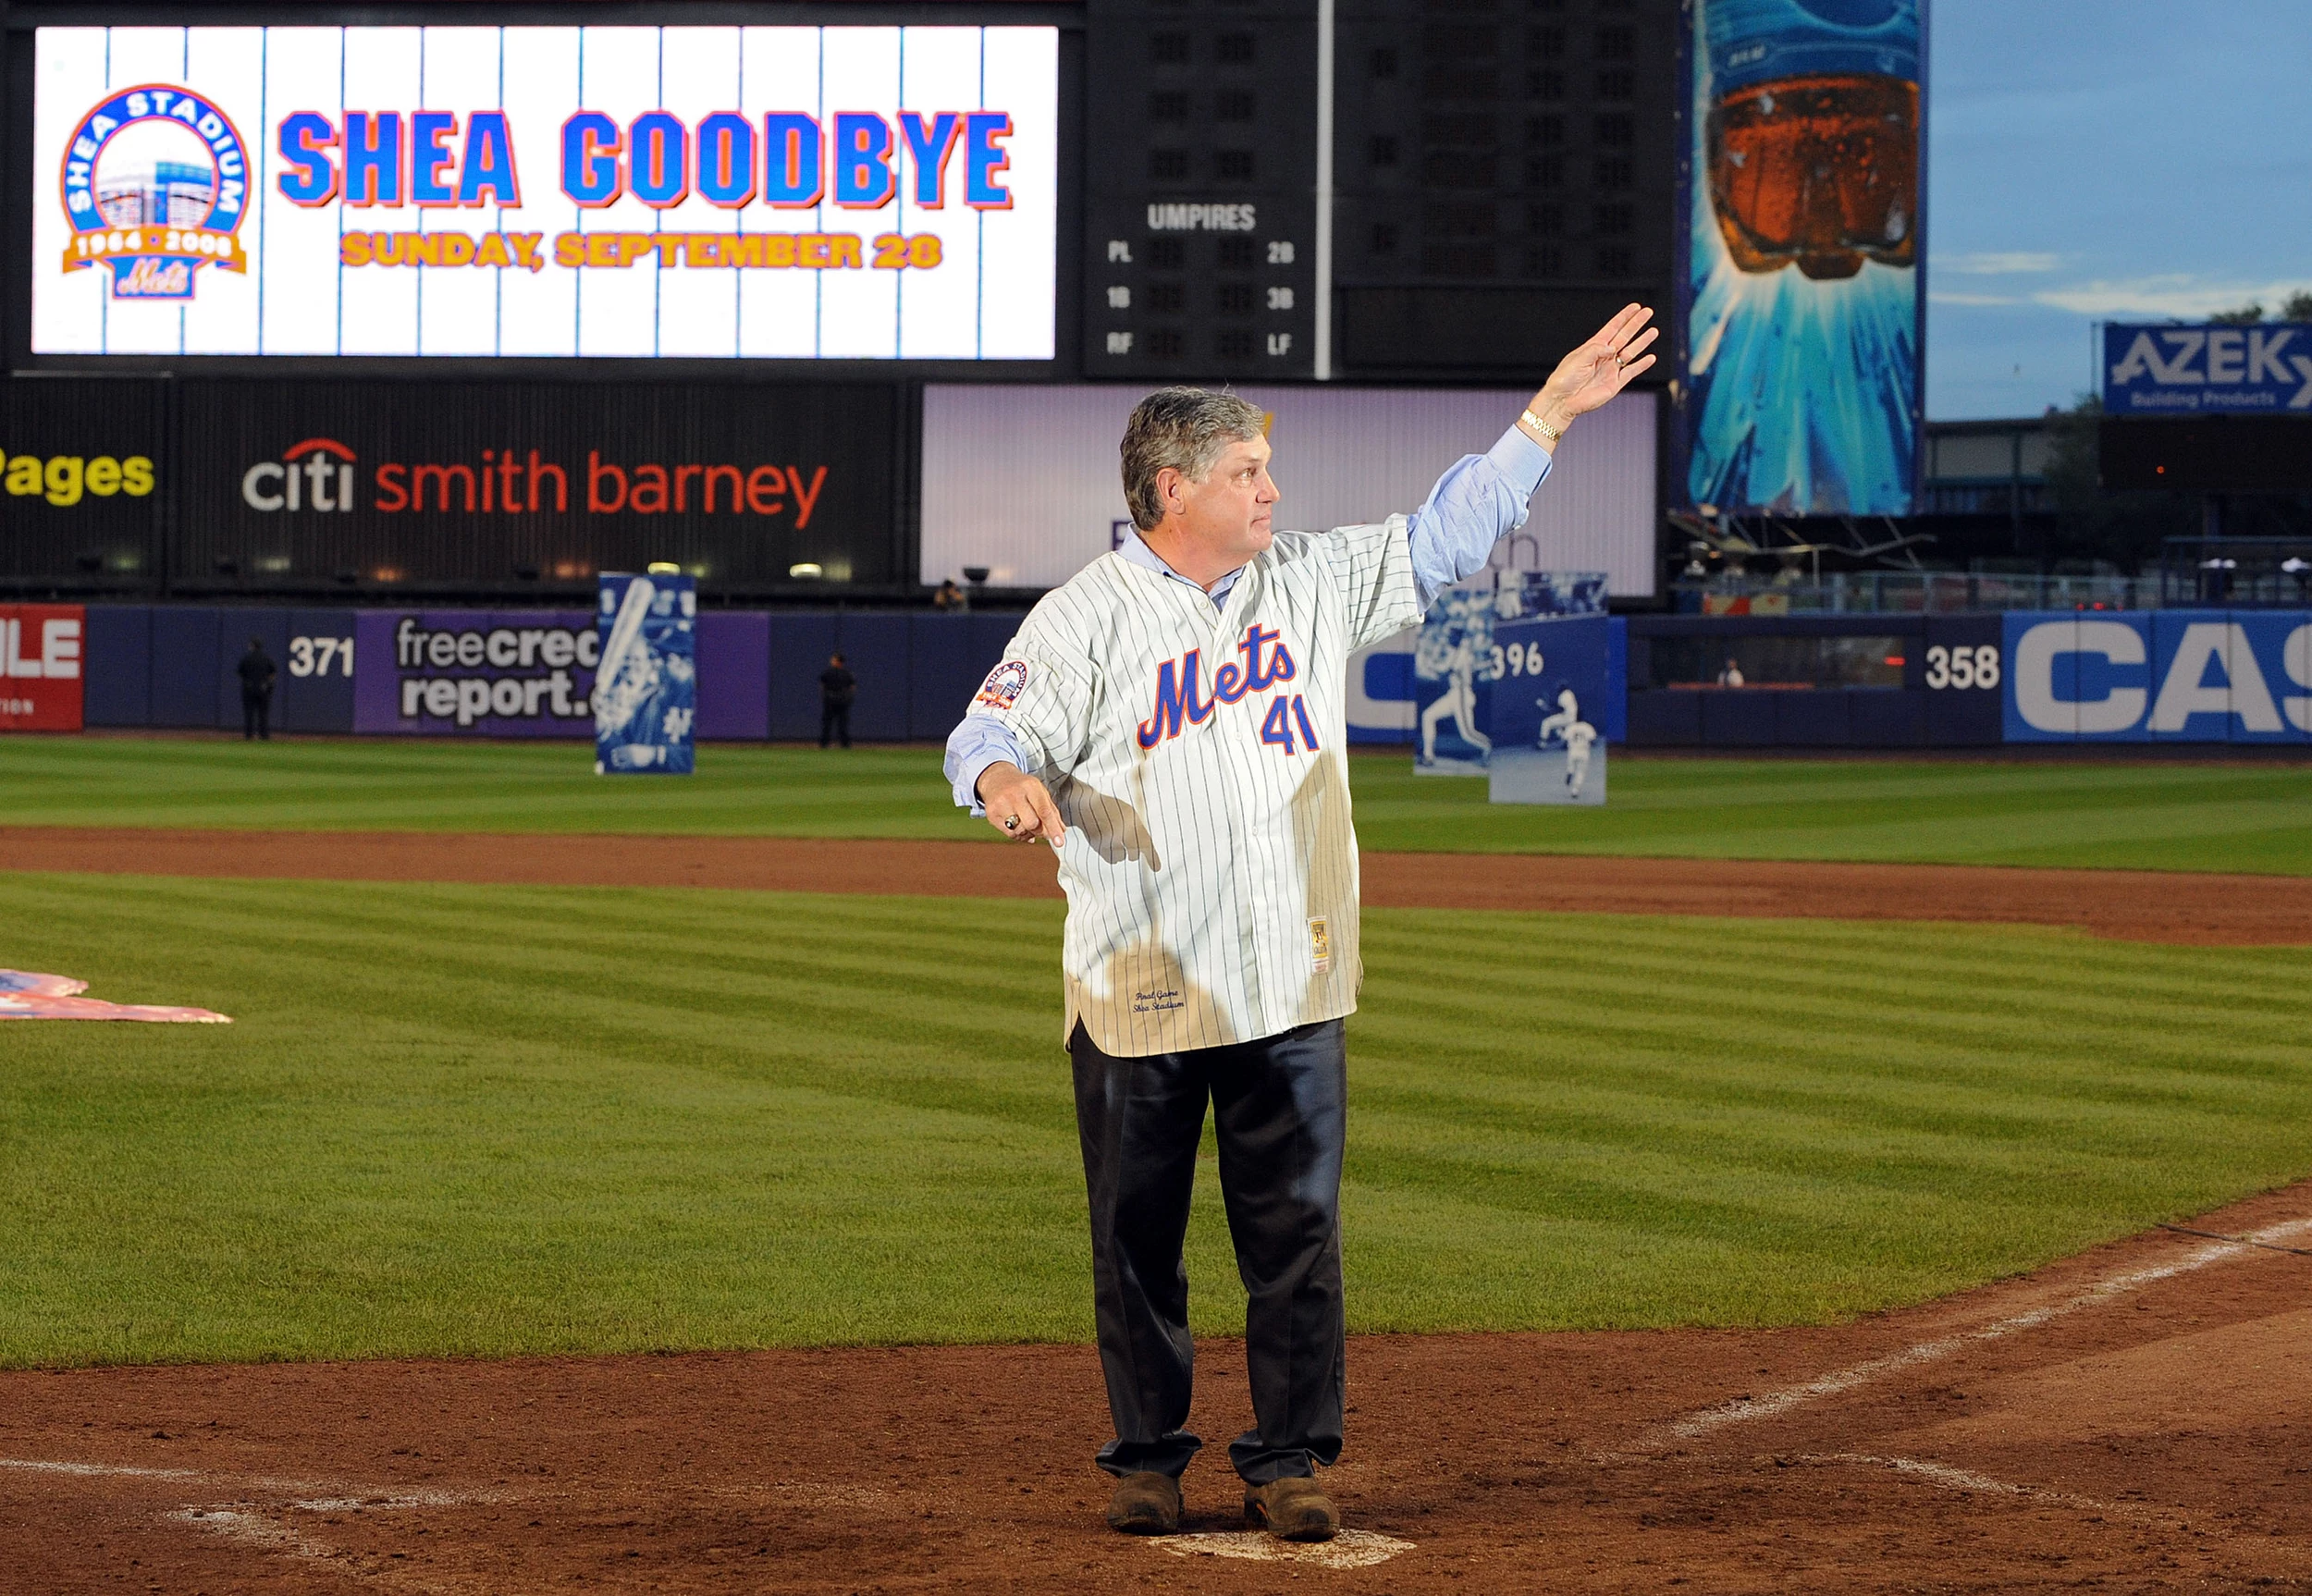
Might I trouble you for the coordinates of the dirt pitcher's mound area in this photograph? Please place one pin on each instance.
(2140, 905)
(2139, 1418)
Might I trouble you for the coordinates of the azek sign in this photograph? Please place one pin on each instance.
(2210, 370)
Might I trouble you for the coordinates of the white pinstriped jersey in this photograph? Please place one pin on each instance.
(1198, 759)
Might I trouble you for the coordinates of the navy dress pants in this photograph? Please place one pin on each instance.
(1280, 1108)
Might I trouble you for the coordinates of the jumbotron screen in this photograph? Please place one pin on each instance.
(768, 193)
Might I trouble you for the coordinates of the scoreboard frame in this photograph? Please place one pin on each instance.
(21, 189)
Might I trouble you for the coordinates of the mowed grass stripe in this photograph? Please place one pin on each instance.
(399, 784)
(477, 1120)
(2249, 816)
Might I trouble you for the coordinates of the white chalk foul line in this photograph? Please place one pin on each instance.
(266, 1528)
(99, 1471)
(1694, 1426)
(300, 1492)
(2140, 1513)
(1350, 1548)
(254, 1529)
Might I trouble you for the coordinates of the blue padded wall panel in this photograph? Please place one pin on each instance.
(1738, 719)
(876, 649)
(1957, 717)
(733, 675)
(234, 629)
(1811, 720)
(184, 667)
(116, 677)
(800, 642)
(989, 634)
(321, 700)
(940, 679)
(1665, 720)
(1880, 718)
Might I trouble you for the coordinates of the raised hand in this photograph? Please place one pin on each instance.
(1598, 370)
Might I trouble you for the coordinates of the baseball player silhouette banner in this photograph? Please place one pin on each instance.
(1452, 675)
(1548, 723)
(645, 690)
(1462, 664)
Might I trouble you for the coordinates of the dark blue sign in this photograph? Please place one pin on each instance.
(2150, 369)
(2171, 675)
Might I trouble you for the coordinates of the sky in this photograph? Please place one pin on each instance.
(2104, 160)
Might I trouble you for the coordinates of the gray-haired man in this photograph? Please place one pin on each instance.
(1172, 721)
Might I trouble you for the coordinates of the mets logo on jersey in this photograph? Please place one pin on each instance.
(155, 183)
(1002, 688)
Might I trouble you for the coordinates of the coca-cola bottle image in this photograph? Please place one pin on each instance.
(1812, 133)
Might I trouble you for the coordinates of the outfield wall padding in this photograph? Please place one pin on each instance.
(734, 658)
(172, 666)
(184, 666)
(118, 655)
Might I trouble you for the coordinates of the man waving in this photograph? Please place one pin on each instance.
(1172, 721)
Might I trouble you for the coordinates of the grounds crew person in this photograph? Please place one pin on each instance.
(257, 674)
(1172, 721)
(837, 688)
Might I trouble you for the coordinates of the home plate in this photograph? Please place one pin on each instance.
(1350, 1548)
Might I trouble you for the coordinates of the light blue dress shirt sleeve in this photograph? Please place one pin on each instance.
(1481, 499)
(977, 743)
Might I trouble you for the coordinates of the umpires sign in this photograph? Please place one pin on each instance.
(1199, 208)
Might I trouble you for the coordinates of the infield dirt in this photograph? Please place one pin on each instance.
(2138, 905)
(2134, 1419)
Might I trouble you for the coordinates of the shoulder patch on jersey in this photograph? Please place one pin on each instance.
(1002, 689)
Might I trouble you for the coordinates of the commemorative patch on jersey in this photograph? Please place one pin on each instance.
(1320, 944)
(1002, 687)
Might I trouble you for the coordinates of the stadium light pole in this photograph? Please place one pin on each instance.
(1324, 192)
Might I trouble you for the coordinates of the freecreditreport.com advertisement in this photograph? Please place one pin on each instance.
(789, 192)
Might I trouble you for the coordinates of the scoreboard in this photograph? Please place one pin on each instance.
(1255, 191)
(1200, 214)
(746, 193)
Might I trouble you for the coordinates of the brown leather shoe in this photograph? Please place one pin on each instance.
(1144, 1503)
(1293, 1509)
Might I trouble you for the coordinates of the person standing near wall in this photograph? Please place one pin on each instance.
(258, 674)
(837, 688)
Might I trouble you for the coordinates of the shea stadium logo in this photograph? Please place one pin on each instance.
(155, 183)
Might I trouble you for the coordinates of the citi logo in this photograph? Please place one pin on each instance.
(314, 475)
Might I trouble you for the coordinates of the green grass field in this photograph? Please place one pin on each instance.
(477, 1120)
(2144, 815)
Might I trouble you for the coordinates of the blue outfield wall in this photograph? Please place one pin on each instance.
(1935, 707)
(2178, 676)
(175, 666)
(117, 651)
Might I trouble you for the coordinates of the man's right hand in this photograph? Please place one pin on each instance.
(1017, 804)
